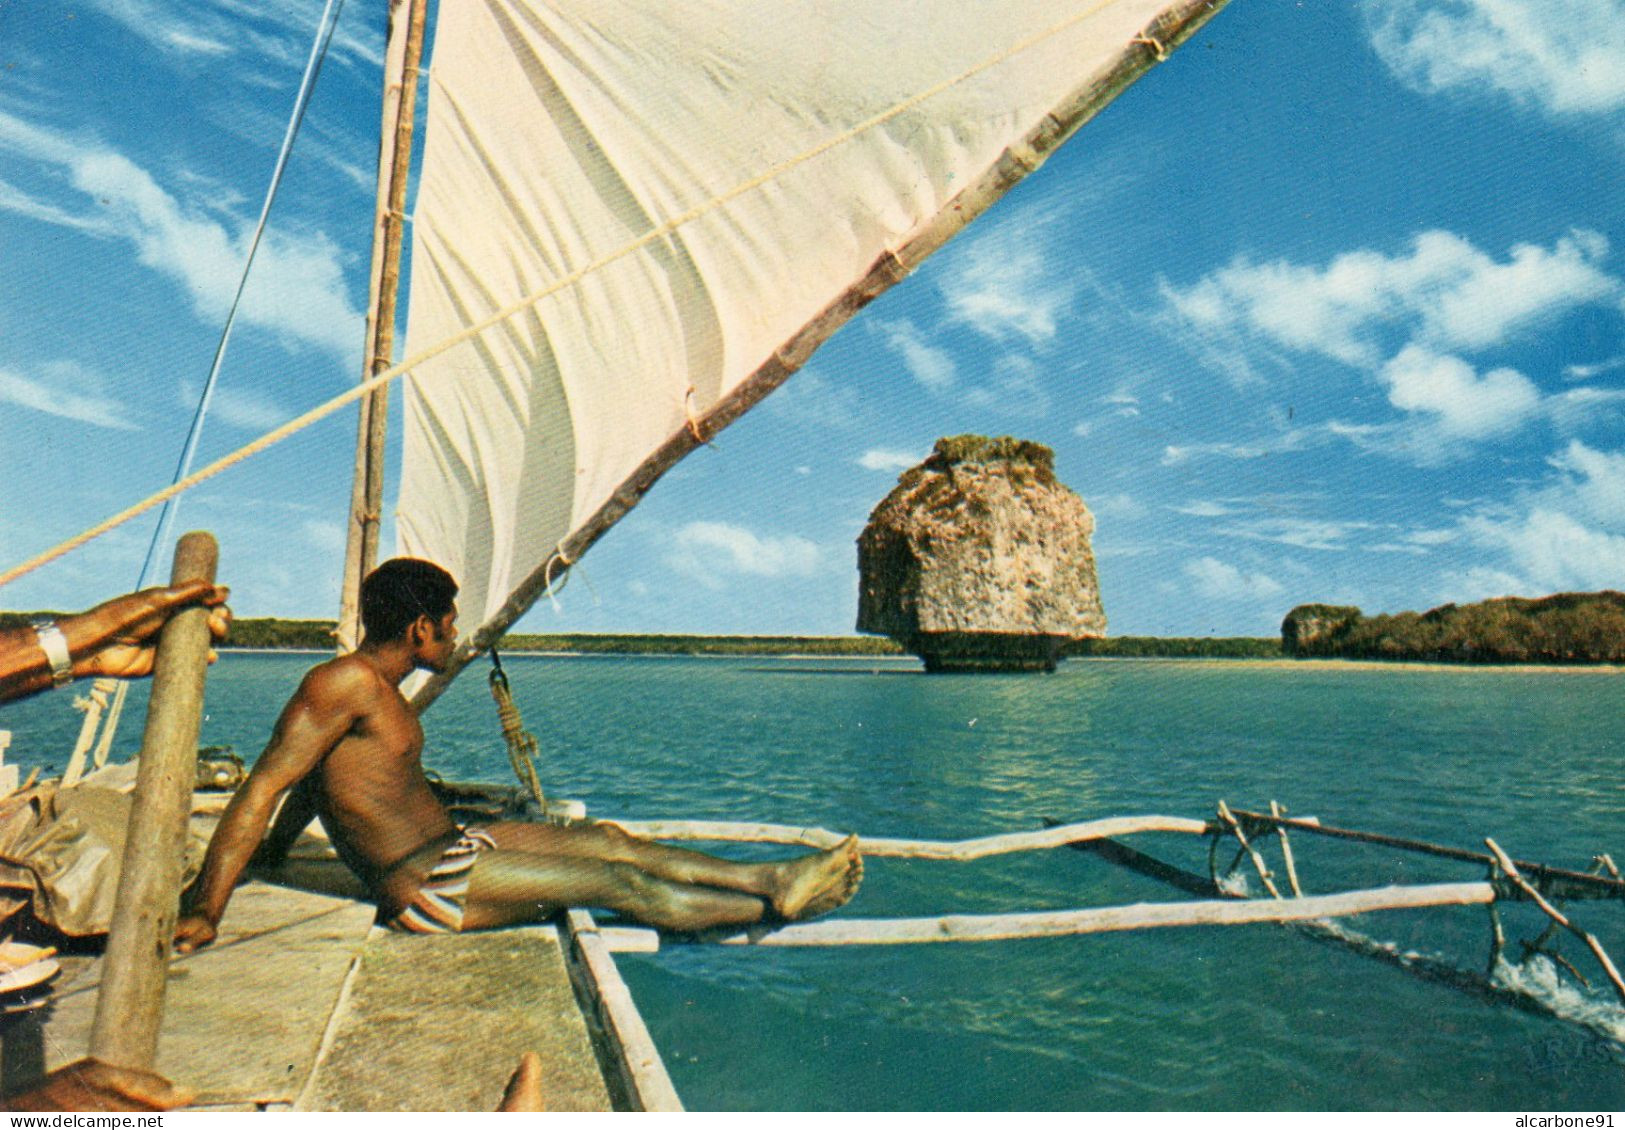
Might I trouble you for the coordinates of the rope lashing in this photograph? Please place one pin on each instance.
(548, 590)
(693, 420)
(1155, 44)
(521, 743)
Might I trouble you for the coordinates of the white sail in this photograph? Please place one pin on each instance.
(777, 152)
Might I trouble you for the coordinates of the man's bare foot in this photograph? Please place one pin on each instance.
(524, 1091)
(818, 883)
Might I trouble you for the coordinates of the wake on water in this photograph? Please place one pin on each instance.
(1535, 985)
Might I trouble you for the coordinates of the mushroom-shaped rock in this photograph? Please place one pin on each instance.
(979, 559)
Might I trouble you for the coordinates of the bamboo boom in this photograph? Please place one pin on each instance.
(131, 1001)
(959, 850)
(1576, 884)
(1558, 916)
(1140, 916)
(1167, 32)
(402, 56)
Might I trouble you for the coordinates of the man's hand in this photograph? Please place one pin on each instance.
(91, 1085)
(192, 933)
(119, 638)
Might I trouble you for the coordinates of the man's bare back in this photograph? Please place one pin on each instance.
(349, 748)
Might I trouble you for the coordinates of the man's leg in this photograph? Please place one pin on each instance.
(812, 883)
(509, 887)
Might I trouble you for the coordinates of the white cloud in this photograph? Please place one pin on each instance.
(1218, 581)
(1463, 404)
(931, 365)
(248, 409)
(1172, 455)
(1301, 533)
(880, 459)
(297, 289)
(204, 31)
(1443, 292)
(1566, 534)
(1203, 509)
(1567, 56)
(68, 392)
(1407, 320)
(1594, 369)
(1550, 551)
(1002, 286)
(711, 551)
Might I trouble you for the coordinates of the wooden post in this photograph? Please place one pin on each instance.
(130, 1004)
(1258, 860)
(1559, 917)
(1286, 851)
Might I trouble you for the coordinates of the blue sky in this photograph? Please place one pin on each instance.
(1331, 306)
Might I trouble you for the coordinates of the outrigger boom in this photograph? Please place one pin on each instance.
(1506, 880)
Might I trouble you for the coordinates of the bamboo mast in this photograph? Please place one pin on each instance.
(401, 59)
(130, 1004)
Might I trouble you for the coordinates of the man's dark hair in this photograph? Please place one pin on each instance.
(396, 593)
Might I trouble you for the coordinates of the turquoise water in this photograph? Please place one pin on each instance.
(1214, 1018)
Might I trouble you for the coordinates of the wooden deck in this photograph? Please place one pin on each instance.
(303, 1004)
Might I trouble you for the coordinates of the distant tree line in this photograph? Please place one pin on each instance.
(318, 635)
(1565, 628)
(1173, 647)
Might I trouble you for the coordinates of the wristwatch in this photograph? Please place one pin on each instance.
(55, 646)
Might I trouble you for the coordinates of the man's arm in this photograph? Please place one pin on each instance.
(291, 820)
(327, 705)
(117, 638)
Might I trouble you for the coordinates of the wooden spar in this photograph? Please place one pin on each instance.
(130, 1003)
(641, 1073)
(1167, 32)
(1565, 883)
(1140, 916)
(1258, 861)
(1511, 869)
(959, 850)
(1328, 933)
(1286, 853)
(402, 56)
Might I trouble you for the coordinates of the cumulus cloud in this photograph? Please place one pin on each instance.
(1568, 533)
(881, 459)
(297, 289)
(710, 552)
(1564, 56)
(1443, 292)
(69, 392)
(1219, 581)
(1407, 320)
(1463, 404)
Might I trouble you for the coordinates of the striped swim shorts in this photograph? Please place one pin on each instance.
(437, 908)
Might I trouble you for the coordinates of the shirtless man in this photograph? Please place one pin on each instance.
(353, 747)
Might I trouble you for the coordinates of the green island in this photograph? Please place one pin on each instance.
(1566, 628)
